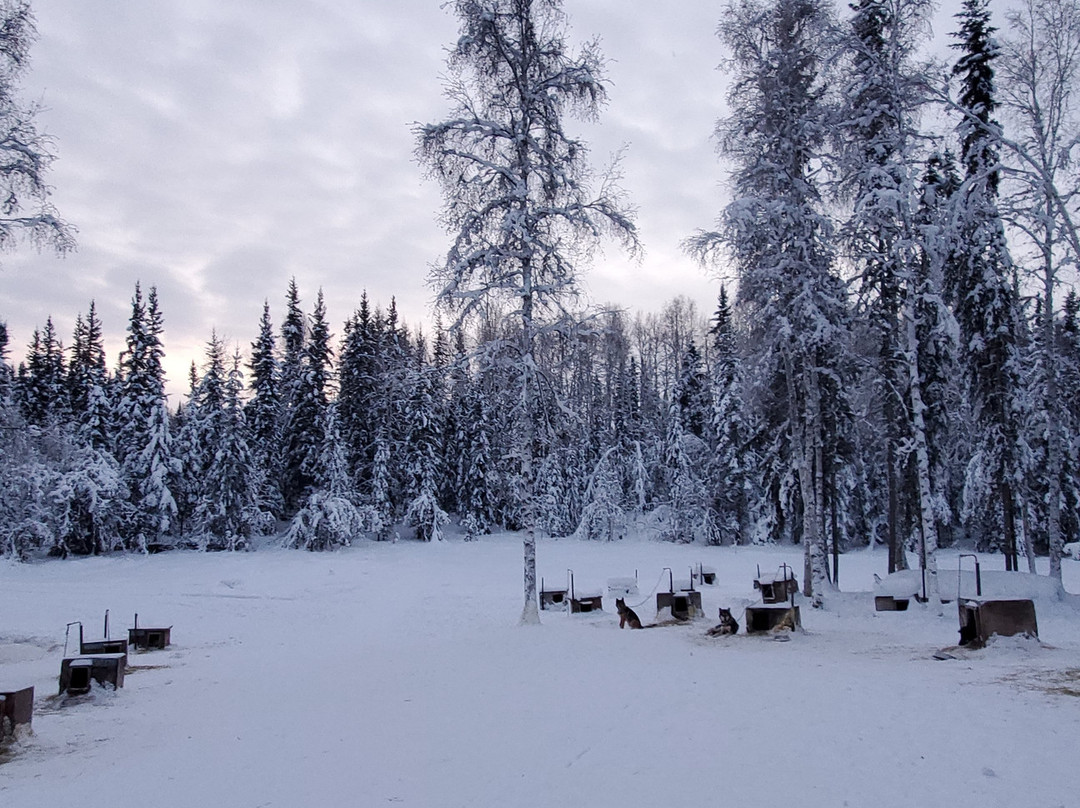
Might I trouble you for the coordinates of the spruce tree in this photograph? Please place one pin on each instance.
(293, 339)
(423, 460)
(144, 444)
(87, 379)
(984, 291)
(307, 396)
(262, 414)
(730, 462)
(42, 388)
(779, 236)
(228, 510)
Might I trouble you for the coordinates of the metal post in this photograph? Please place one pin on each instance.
(978, 574)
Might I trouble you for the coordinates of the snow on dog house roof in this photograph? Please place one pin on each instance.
(582, 592)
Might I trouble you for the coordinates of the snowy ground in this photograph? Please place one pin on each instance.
(397, 675)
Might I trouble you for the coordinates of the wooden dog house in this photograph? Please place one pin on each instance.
(585, 600)
(981, 620)
(888, 603)
(684, 605)
(772, 617)
(777, 587)
(552, 598)
(145, 639)
(77, 673)
(622, 587)
(95, 647)
(16, 711)
(681, 598)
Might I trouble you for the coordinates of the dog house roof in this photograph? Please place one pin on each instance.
(779, 575)
(587, 592)
(80, 661)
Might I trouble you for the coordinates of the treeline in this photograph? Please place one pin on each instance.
(383, 431)
(387, 431)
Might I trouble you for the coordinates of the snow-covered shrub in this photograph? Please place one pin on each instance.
(426, 516)
(330, 520)
(88, 504)
(603, 515)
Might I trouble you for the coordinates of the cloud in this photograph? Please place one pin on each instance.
(218, 149)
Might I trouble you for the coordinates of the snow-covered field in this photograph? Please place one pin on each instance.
(397, 675)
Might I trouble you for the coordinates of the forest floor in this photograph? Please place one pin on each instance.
(397, 674)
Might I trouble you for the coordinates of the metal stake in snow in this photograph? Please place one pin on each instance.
(978, 574)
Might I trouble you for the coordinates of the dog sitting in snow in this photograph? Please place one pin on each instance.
(727, 625)
(627, 616)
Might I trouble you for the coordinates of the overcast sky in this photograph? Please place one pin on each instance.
(216, 149)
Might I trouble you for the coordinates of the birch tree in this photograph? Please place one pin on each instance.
(25, 152)
(519, 194)
(1040, 60)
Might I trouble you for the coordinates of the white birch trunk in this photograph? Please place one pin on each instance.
(1050, 407)
(1029, 548)
(804, 448)
(530, 613)
(928, 524)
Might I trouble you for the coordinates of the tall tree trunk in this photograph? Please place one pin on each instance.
(1025, 538)
(927, 522)
(1008, 513)
(1050, 405)
(806, 451)
(530, 613)
(835, 531)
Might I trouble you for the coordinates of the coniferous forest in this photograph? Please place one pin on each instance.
(893, 357)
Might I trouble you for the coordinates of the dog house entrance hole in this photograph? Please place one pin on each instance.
(79, 681)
